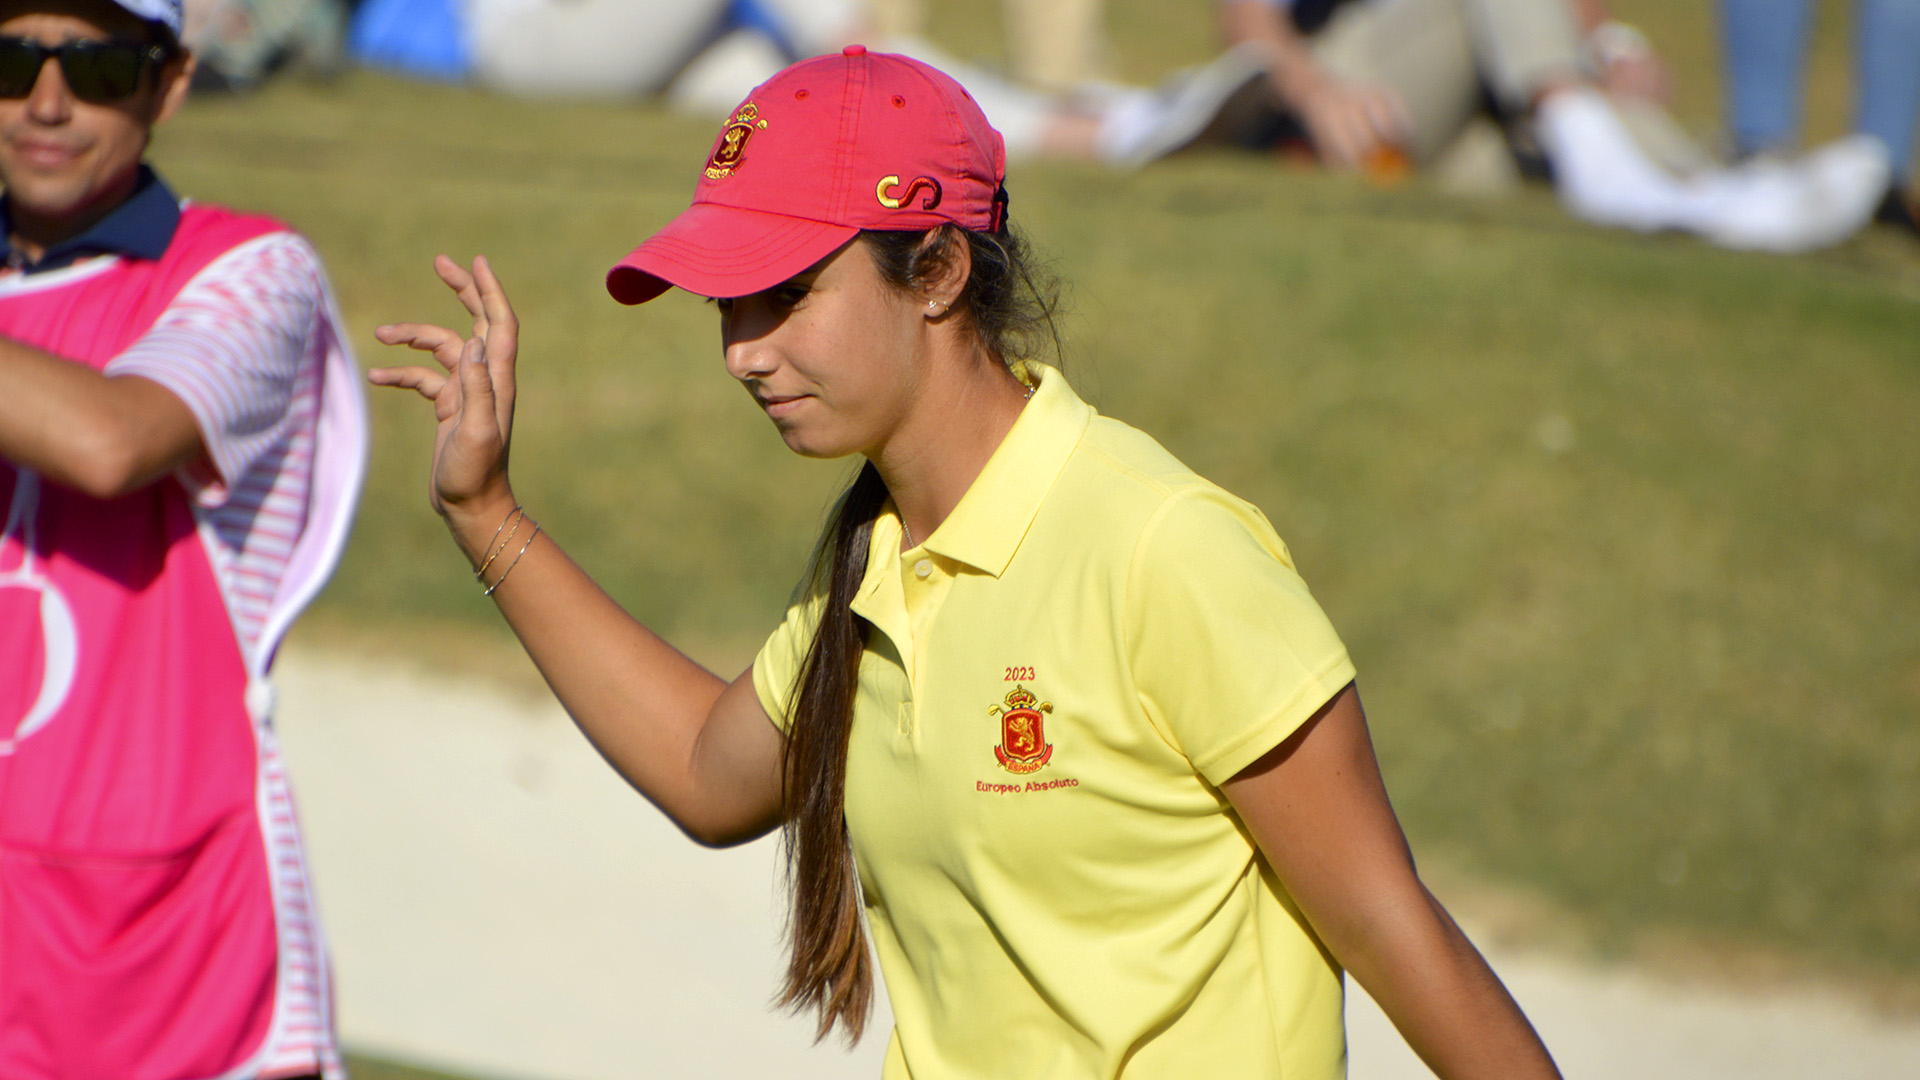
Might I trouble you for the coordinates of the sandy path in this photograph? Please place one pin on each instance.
(498, 901)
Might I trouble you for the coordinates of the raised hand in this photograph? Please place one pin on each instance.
(472, 394)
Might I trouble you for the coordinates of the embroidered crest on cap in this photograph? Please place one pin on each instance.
(1023, 739)
(919, 184)
(733, 141)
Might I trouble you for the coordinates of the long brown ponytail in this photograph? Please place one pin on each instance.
(1009, 305)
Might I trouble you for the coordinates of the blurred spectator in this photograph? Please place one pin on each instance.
(242, 42)
(582, 48)
(538, 47)
(709, 54)
(617, 48)
(1122, 125)
(1052, 45)
(1057, 45)
(1372, 81)
(1373, 84)
(1765, 46)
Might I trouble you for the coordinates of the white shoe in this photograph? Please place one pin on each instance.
(1762, 206)
(1147, 125)
(1600, 174)
(1786, 207)
(1853, 175)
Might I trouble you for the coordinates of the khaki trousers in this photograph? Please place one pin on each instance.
(1438, 54)
(1056, 44)
(1051, 44)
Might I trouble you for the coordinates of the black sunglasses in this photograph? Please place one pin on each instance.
(96, 71)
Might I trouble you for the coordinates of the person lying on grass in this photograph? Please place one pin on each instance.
(1050, 714)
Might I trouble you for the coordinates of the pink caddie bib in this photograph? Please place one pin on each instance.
(138, 932)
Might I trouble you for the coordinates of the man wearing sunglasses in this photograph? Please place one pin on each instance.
(181, 444)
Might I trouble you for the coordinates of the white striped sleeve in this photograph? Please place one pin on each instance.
(232, 346)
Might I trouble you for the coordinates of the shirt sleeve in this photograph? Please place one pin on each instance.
(1230, 653)
(776, 670)
(232, 346)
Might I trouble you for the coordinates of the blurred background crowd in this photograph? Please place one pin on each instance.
(1486, 93)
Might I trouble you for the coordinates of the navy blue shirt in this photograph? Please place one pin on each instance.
(142, 227)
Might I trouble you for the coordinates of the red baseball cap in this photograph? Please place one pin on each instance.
(826, 148)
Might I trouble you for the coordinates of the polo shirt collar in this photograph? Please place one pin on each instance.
(992, 518)
(141, 227)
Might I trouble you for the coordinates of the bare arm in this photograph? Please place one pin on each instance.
(1319, 811)
(1350, 123)
(99, 434)
(701, 749)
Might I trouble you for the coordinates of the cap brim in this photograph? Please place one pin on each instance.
(723, 251)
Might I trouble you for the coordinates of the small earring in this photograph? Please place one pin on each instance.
(936, 307)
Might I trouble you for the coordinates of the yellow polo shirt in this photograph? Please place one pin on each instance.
(1055, 684)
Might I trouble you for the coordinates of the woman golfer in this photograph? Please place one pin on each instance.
(1053, 716)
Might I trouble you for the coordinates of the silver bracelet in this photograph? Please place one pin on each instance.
(488, 561)
(516, 559)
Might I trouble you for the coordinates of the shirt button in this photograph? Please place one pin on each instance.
(923, 569)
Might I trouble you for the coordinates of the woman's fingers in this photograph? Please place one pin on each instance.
(492, 296)
(443, 391)
(476, 386)
(428, 382)
(443, 343)
(472, 454)
(503, 337)
(446, 344)
(461, 281)
(455, 275)
(470, 451)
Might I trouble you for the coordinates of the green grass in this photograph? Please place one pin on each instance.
(363, 1067)
(1620, 530)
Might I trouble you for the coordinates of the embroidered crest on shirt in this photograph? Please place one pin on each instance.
(733, 141)
(1023, 739)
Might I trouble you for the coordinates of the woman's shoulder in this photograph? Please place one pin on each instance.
(1137, 488)
(1130, 464)
(1128, 456)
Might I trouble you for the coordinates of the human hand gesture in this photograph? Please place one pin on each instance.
(472, 395)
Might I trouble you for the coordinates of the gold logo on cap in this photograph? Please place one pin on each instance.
(733, 141)
(896, 201)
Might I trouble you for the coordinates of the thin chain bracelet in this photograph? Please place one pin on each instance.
(516, 559)
(503, 524)
(517, 522)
